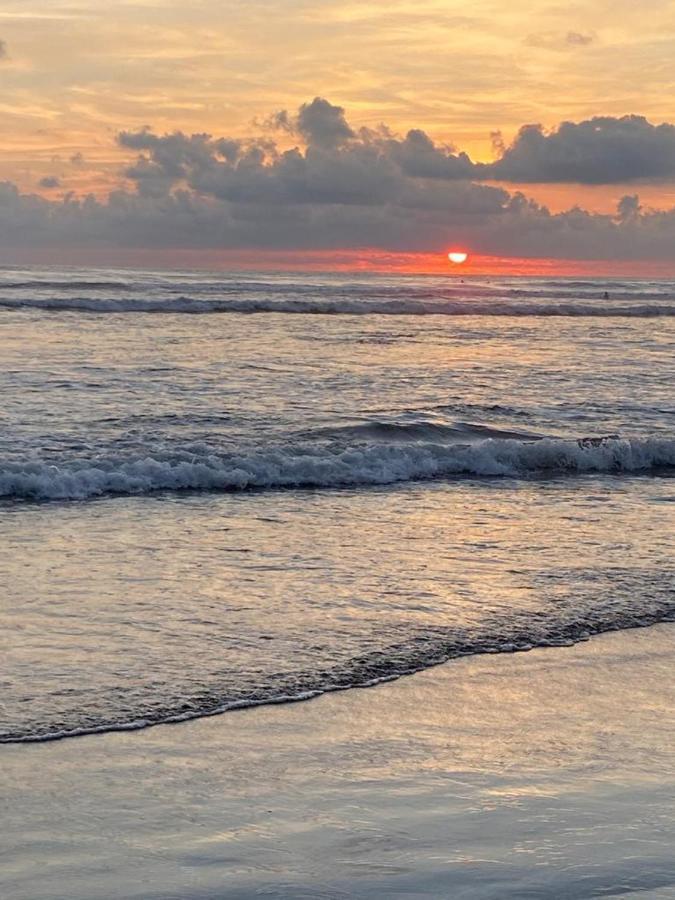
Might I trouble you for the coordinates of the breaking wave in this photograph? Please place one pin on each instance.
(329, 464)
(301, 305)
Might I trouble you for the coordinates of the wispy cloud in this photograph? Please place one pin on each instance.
(554, 40)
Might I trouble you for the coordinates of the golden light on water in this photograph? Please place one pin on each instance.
(457, 257)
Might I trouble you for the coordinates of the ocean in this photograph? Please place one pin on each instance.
(222, 490)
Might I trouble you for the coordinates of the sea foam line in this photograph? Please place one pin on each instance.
(328, 464)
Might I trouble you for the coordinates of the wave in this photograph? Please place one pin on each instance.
(420, 431)
(433, 647)
(185, 305)
(339, 284)
(62, 284)
(329, 464)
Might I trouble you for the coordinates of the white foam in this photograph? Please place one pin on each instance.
(330, 464)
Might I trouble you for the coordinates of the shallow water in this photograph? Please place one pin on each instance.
(210, 510)
(541, 775)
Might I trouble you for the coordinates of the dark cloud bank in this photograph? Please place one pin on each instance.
(363, 188)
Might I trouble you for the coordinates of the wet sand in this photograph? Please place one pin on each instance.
(548, 774)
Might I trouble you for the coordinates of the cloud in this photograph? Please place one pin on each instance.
(554, 40)
(601, 150)
(578, 39)
(3, 49)
(628, 208)
(421, 219)
(317, 124)
(418, 156)
(337, 165)
(322, 124)
(340, 188)
(49, 181)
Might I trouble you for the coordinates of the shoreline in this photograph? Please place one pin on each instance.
(578, 634)
(499, 775)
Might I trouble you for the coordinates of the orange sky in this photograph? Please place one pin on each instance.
(75, 72)
(366, 260)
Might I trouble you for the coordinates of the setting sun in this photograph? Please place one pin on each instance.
(457, 257)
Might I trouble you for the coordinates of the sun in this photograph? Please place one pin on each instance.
(458, 257)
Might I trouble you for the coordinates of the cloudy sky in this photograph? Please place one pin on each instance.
(225, 127)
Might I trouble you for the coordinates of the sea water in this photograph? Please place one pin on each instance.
(220, 490)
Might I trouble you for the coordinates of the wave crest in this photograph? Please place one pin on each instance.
(300, 305)
(329, 464)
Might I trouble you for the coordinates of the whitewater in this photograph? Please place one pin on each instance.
(330, 466)
(205, 509)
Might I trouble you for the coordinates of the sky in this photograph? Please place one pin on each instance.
(221, 130)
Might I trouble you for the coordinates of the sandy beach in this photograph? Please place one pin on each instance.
(544, 774)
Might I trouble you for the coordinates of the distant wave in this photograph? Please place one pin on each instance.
(341, 306)
(328, 464)
(60, 285)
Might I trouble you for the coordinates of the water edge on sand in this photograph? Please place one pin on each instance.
(544, 775)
